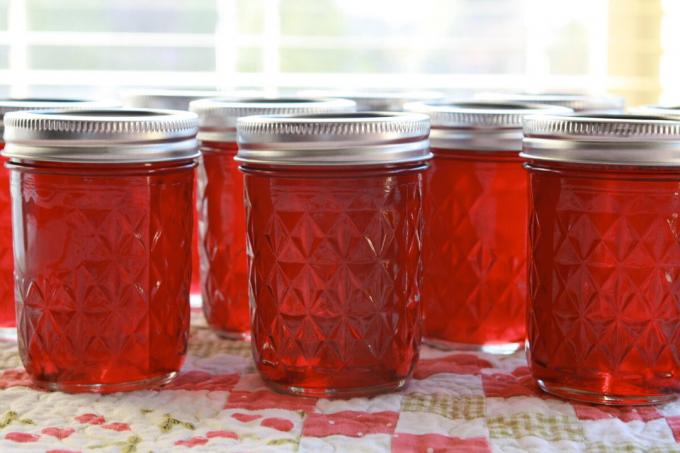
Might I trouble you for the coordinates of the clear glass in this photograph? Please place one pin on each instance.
(335, 274)
(604, 280)
(222, 232)
(102, 263)
(474, 282)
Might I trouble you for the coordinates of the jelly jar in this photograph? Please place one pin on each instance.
(7, 311)
(334, 228)
(102, 218)
(179, 100)
(580, 103)
(221, 214)
(604, 257)
(474, 247)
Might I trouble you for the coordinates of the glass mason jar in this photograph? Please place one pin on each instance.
(384, 101)
(580, 103)
(102, 216)
(604, 257)
(7, 310)
(221, 214)
(179, 100)
(474, 247)
(334, 222)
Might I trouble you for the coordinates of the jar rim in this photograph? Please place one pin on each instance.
(657, 109)
(218, 116)
(608, 139)
(377, 100)
(479, 125)
(334, 139)
(14, 104)
(175, 99)
(579, 102)
(101, 135)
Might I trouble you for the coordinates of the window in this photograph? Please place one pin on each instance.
(4, 48)
(455, 45)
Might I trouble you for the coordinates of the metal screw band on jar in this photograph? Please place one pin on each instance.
(334, 139)
(479, 125)
(633, 140)
(657, 110)
(218, 117)
(576, 102)
(175, 99)
(388, 101)
(19, 104)
(101, 136)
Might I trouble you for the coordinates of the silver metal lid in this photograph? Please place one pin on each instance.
(218, 116)
(580, 103)
(18, 104)
(334, 139)
(101, 136)
(657, 110)
(632, 140)
(383, 101)
(479, 125)
(176, 99)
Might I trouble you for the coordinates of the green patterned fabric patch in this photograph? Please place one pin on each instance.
(449, 406)
(548, 427)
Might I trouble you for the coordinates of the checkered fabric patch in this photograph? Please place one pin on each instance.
(457, 401)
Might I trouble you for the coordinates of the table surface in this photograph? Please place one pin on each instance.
(456, 401)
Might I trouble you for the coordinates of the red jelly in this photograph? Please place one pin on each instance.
(7, 310)
(334, 219)
(604, 263)
(102, 216)
(474, 247)
(222, 230)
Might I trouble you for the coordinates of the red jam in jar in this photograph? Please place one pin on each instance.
(102, 217)
(334, 225)
(221, 213)
(7, 309)
(474, 246)
(604, 257)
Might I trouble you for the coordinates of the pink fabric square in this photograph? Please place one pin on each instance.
(265, 399)
(437, 443)
(625, 414)
(350, 423)
(200, 380)
(457, 364)
(501, 385)
(674, 424)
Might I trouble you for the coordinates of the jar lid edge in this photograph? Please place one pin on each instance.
(91, 135)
